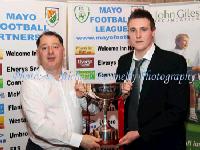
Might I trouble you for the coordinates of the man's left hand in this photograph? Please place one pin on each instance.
(129, 137)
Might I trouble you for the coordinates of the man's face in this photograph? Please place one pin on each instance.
(183, 42)
(50, 53)
(140, 34)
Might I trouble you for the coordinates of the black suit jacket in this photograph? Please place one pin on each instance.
(164, 101)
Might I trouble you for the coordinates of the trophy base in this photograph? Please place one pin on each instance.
(109, 147)
(108, 134)
(109, 142)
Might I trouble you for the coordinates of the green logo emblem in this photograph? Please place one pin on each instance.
(87, 75)
(51, 16)
(1, 83)
(82, 13)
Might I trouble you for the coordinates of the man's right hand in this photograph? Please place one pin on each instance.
(126, 88)
(89, 141)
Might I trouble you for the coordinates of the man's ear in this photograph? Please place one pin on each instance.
(38, 58)
(37, 52)
(64, 52)
(154, 33)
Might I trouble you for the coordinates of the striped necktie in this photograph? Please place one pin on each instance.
(132, 104)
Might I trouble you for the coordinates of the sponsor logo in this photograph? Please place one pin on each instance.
(85, 62)
(1, 54)
(84, 50)
(14, 107)
(1, 122)
(82, 13)
(106, 63)
(179, 15)
(13, 94)
(51, 16)
(19, 134)
(1, 109)
(16, 69)
(17, 120)
(87, 75)
(1, 83)
(12, 83)
(107, 76)
(0, 69)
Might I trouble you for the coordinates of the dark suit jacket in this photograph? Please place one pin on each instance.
(163, 107)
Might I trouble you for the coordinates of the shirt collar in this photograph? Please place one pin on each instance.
(148, 54)
(42, 72)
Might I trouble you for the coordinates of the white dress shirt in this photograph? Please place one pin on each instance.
(53, 111)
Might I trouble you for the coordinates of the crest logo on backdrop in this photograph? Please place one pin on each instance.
(51, 16)
(82, 13)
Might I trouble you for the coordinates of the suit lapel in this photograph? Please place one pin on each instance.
(150, 70)
(126, 64)
(129, 61)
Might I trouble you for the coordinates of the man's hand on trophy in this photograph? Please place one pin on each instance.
(126, 88)
(89, 141)
(128, 138)
(80, 89)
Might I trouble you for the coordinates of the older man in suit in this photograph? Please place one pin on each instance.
(156, 120)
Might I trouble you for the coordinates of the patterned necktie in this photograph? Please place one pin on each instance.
(132, 104)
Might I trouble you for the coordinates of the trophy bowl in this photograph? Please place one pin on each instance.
(105, 91)
(105, 94)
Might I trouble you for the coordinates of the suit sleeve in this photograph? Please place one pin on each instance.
(119, 72)
(176, 103)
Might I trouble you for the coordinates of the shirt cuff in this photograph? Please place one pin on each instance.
(76, 139)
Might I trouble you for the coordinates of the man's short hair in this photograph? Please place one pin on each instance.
(181, 35)
(141, 13)
(49, 33)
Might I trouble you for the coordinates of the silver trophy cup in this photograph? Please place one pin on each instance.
(104, 94)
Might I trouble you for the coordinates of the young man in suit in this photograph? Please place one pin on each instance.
(158, 117)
